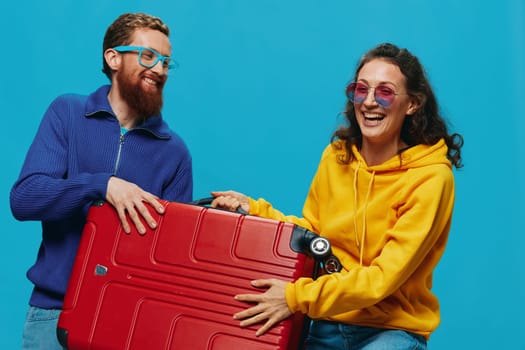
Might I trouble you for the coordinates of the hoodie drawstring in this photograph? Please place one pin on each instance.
(361, 243)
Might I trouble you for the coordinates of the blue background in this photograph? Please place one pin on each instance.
(257, 96)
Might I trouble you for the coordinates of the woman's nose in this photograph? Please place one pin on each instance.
(370, 98)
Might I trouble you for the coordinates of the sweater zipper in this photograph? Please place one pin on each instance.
(117, 163)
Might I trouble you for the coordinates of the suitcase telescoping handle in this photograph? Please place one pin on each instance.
(207, 201)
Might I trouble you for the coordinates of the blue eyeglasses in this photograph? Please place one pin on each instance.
(148, 57)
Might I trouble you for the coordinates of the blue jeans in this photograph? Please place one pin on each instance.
(40, 330)
(339, 336)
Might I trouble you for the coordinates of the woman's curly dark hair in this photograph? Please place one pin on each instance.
(425, 126)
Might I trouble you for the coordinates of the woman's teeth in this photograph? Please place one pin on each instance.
(374, 116)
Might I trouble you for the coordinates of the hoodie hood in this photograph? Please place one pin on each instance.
(413, 157)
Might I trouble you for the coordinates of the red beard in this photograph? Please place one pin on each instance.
(145, 103)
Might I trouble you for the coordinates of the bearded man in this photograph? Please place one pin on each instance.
(112, 145)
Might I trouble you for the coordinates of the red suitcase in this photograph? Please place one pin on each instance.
(173, 287)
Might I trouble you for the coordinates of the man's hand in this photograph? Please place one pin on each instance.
(129, 198)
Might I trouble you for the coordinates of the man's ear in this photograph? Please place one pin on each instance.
(113, 59)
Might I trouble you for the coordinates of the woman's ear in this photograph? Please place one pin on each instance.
(415, 103)
(113, 59)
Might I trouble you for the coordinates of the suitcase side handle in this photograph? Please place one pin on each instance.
(207, 201)
(319, 248)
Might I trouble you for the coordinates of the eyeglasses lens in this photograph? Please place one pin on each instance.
(148, 58)
(383, 95)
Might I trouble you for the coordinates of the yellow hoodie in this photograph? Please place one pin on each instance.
(388, 225)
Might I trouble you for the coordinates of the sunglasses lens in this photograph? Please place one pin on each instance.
(356, 92)
(361, 90)
(384, 96)
(350, 91)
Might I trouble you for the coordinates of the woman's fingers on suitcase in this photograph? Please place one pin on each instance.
(229, 203)
(274, 318)
(253, 315)
(269, 313)
(230, 200)
(250, 315)
(270, 306)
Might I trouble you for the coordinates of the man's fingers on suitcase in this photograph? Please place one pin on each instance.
(136, 220)
(153, 200)
(143, 210)
(123, 220)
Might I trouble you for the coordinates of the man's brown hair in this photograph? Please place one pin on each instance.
(122, 29)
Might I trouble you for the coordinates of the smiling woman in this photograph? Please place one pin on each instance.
(401, 113)
(381, 111)
(383, 195)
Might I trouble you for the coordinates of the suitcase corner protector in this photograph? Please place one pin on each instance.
(62, 335)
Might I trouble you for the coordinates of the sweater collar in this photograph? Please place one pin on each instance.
(98, 105)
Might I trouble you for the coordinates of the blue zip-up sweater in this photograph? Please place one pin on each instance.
(77, 148)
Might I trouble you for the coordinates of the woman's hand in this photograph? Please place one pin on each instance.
(271, 305)
(230, 200)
